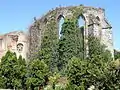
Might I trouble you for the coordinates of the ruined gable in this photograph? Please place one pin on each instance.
(95, 23)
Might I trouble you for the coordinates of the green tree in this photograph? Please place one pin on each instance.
(103, 75)
(70, 43)
(84, 73)
(48, 51)
(22, 68)
(11, 71)
(96, 48)
(77, 73)
(96, 70)
(99, 59)
(37, 74)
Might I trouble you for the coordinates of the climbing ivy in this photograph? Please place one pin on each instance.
(48, 51)
(77, 11)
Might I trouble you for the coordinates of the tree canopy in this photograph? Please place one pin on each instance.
(12, 71)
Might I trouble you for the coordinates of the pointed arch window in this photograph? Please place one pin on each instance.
(60, 22)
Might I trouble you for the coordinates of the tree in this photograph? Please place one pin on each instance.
(99, 59)
(97, 48)
(103, 75)
(22, 68)
(70, 42)
(48, 51)
(37, 74)
(77, 73)
(96, 71)
(12, 71)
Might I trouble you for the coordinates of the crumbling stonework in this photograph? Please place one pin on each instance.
(95, 23)
(14, 41)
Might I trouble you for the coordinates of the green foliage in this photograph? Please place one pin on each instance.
(84, 73)
(48, 51)
(77, 11)
(116, 54)
(99, 66)
(77, 72)
(2, 80)
(56, 53)
(37, 74)
(54, 79)
(96, 48)
(22, 68)
(107, 77)
(97, 70)
(69, 43)
(12, 71)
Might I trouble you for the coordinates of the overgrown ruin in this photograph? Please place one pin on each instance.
(95, 24)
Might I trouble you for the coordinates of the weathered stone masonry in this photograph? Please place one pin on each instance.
(95, 23)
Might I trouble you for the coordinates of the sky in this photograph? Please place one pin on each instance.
(19, 14)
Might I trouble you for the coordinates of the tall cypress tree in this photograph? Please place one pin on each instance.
(70, 42)
(48, 51)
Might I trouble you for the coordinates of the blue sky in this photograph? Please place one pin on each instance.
(18, 14)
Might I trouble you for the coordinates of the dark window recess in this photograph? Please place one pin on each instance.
(19, 47)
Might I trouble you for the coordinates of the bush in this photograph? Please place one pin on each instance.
(77, 73)
(37, 74)
(12, 71)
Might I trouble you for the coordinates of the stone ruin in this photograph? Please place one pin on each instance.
(16, 42)
(95, 23)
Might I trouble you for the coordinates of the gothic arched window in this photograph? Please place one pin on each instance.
(61, 21)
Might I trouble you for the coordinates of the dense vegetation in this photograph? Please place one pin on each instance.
(12, 71)
(98, 70)
(15, 74)
(70, 43)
